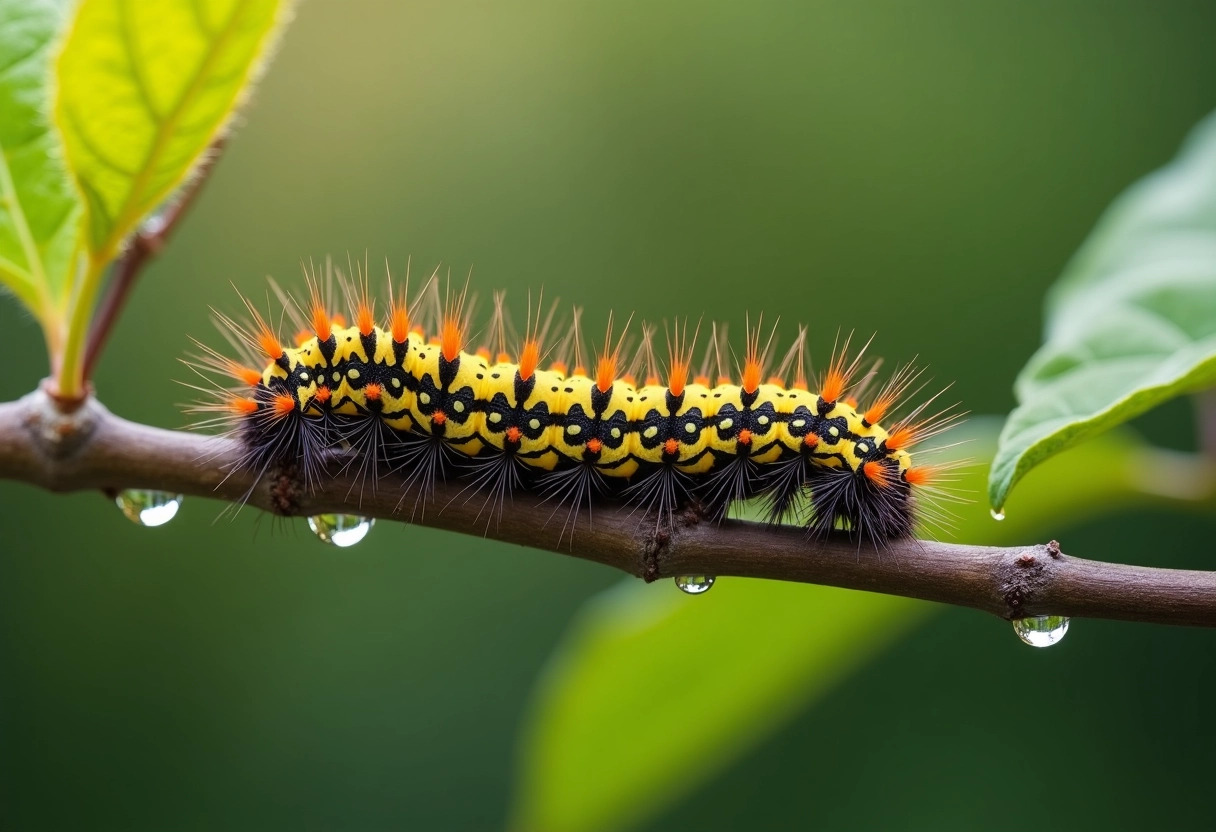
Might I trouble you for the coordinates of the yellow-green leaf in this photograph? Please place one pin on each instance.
(38, 206)
(1131, 324)
(143, 89)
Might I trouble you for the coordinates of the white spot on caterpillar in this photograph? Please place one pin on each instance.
(799, 423)
(495, 417)
(865, 449)
(534, 424)
(616, 433)
(834, 431)
(761, 420)
(650, 432)
(352, 373)
(397, 383)
(337, 376)
(691, 427)
(425, 398)
(303, 376)
(725, 424)
(573, 430)
(458, 406)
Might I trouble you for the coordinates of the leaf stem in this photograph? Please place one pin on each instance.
(80, 355)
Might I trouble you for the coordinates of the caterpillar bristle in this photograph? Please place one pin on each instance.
(418, 394)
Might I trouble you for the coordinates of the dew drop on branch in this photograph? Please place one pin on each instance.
(695, 584)
(340, 529)
(1041, 630)
(145, 507)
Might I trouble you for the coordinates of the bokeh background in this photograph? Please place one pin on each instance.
(920, 170)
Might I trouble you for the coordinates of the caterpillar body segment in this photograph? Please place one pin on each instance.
(430, 408)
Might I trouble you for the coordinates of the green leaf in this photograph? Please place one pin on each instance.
(1131, 324)
(653, 692)
(143, 90)
(39, 209)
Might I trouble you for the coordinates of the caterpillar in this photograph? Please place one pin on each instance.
(408, 394)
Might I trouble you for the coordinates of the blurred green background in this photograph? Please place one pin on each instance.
(923, 171)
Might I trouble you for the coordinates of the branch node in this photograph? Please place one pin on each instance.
(653, 548)
(1020, 576)
(1053, 548)
(60, 426)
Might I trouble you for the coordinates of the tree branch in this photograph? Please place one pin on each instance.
(91, 448)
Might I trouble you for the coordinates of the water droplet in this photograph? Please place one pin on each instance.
(695, 584)
(997, 513)
(340, 529)
(148, 508)
(1041, 630)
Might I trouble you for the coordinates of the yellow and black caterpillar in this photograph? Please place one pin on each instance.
(427, 408)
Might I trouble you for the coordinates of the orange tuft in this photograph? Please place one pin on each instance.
(246, 374)
(833, 385)
(451, 339)
(605, 373)
(851, 402)
(399, 323)
(558, 367)
(438, 417)
(901, 438)
(322, 395)
(338, 319)
(877, 473)
(514, 434)
(881, 406)
(372, 392)
(629, 379)
(302, 337)
(652, 381)
(745, 437)
(922, 475)
(701, 380)
(269, 344)
(482, 352)
(670, 447)
(776, 381)
(364, 318)
(677, 377)
(284, 404)
(723, 379)
(594, 445)
(243, 406)
(529, 357)
(321, 322)
(810, 440)
(502, 358)
(751, 376)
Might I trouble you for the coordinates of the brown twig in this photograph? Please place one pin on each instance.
(147, 242)
(93, 449)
